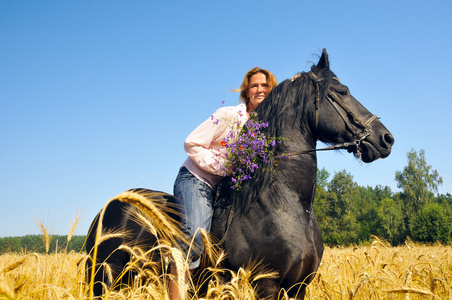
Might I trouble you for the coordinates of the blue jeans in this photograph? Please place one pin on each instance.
(194, 200)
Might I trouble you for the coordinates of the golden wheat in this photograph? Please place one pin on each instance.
(72, 230)
(148, 209)
(368, 272)
(46, 237)
(374, 271)
(379, 271)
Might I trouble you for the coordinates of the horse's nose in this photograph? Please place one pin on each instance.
(386, 142)
(389, 139)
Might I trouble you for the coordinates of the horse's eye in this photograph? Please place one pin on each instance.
(342, 92)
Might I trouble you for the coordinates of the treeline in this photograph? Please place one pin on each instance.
(351, 214)
(36, 244)
(346, 213)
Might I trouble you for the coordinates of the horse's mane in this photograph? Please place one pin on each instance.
(285, 105)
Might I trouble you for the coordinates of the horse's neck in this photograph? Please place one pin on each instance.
(293, 120)
(300, 169)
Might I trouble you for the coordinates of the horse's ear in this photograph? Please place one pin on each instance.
(323, 62)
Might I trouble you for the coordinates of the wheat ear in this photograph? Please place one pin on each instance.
(18, 263)
(164, 225)
(71, 232)
(46, 237)
(181, 269)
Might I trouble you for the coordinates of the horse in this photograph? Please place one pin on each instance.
(271, 218)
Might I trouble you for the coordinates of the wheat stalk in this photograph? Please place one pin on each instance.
(71, 232)
(181, 269)
(147, 203)
(46, 237)
(135, 214)
(5, 290)
(209, 249)
(408, 290)
(164, 225)
(19, 262)
(386, 280)
(106, 236)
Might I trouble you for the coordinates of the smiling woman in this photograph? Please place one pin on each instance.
(255, 86)
(257, 90)
(200, 174)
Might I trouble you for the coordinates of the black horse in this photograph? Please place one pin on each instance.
(271, 217)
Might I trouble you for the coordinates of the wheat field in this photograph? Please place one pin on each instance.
(374, 271)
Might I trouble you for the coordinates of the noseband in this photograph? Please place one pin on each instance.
(363, 128)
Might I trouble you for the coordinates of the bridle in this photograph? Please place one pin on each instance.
(361, 130)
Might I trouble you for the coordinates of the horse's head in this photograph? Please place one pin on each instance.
(341, 120)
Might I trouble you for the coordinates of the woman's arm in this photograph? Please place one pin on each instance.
(202, 144)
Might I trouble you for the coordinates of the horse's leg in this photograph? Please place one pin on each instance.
(268, 288)
(271, 288)
(301, 295)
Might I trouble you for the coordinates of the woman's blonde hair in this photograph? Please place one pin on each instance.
(271, 81)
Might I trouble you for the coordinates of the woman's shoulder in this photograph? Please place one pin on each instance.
(231, 110)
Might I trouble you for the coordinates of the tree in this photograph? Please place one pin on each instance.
(322, 179)
(419, 183)
(321, 202)
(444, 199)
(431, 224)
(364, 206)
(333, 208)
(418, 180)
(381, 192)
(391, 223)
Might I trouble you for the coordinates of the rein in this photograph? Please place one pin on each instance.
(361, 134)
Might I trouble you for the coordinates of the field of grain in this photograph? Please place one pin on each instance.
(374, 271)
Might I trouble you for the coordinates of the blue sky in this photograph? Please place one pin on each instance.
(97, 97)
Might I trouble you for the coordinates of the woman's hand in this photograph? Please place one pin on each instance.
(295, 77)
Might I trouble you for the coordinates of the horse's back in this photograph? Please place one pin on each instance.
(119, 231)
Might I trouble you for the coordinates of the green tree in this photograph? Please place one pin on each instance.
(322, 179)
(341, 222)
(77, 243)
(321, 196)
(391, 224)
(321, 203)
(431, 224)
(381, 192)
(444, 199)
(364, 207)
(419, 183)
(10, 244)
(418, 180)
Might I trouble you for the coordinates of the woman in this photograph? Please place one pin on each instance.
(200, 174)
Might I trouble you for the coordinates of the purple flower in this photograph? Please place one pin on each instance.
(247, 150)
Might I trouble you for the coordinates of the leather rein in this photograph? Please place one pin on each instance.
(363, 132)
(364, 127)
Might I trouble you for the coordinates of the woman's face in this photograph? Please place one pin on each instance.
(257, 90)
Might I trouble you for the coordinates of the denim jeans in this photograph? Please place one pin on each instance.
(194, 200)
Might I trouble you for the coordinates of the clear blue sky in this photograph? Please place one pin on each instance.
(96, 97)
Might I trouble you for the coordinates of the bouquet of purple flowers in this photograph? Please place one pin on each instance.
(247, 151)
